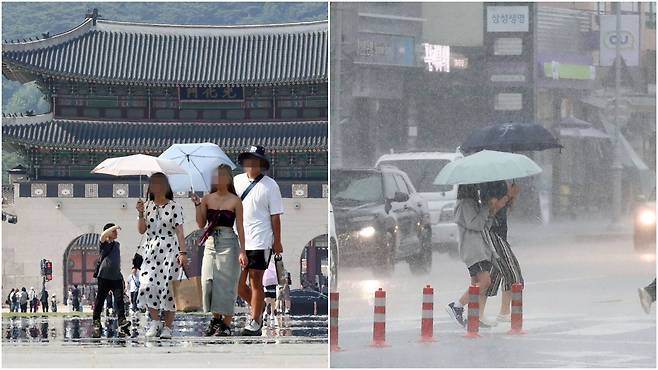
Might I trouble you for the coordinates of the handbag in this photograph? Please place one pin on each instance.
(187, 293)
(280, 270)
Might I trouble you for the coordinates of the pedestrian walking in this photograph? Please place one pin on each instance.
(261, 200)
(32, 296)
(162, 220)
(24, 299)
(474, 220)
(283, 295)
(15, 300)
(224, 251)
(75, 298)
(133, 288)
(500, 195)
(53, 303)
(110, 280)
(44, 300)
(270, 282)
(648, 296)
(8, 301)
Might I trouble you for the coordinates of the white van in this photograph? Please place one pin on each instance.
(422, 168)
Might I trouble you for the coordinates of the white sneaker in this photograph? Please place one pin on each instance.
(504, 318)
(165, 333)
(645, 300)
(153, 329)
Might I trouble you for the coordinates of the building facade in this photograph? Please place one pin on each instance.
(119, 88)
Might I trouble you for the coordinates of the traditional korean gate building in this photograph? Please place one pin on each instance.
(119, 88)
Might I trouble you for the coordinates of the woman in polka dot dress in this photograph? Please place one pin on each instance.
(164, 254)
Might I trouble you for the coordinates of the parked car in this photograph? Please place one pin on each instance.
(644, 235)
(308, 302)
(333, 252)
(422, 168)
(380, 219)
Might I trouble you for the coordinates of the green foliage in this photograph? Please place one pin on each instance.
(10, 160)
(26, 97)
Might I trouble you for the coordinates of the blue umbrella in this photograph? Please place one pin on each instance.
(199, 160)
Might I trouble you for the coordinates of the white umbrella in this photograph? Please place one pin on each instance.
(199, 160)
(138, 165)
(485, 166)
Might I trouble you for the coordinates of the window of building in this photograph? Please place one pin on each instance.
(509, 101)
(188, 114)
(235, 114)
(259, 113)
(135, 113)
(630, 7)
(288, 113)
(650, 14)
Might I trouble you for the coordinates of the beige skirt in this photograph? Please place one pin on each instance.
(220, 271)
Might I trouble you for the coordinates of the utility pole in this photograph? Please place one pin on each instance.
(616, 162)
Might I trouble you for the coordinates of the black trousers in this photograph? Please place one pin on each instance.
(44, 306)
(133, 300)
(104, 287)
(24, 307)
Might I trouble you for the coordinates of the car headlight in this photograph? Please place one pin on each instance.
(647, 217)
(367, 232)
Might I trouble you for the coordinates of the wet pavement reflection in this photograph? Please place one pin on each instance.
(188, 330)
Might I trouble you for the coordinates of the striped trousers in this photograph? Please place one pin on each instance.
(506, 270)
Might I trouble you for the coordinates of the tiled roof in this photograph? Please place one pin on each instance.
(152, 54)
(44, 131)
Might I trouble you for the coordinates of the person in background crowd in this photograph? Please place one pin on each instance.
(270, 282)
(8, 301)
(15, 300)
(44, 300)
(32, 296)
(53, 303)
(283, 295)
(261, 200)
(24, 299)
(133, 288)
(75, 298)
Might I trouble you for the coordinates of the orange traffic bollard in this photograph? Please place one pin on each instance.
(333, 322)
(379, 323)
(517, 309)
(473, 325)
(427, 317)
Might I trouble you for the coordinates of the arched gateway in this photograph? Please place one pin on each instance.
(79, 261)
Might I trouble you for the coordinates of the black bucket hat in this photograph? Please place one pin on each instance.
(255, 151)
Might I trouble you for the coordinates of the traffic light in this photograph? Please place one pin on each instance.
(49, 270)
(43, 267)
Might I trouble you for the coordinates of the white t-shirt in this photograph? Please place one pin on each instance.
(262, 202)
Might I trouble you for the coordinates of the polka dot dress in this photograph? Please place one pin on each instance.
(160, 252)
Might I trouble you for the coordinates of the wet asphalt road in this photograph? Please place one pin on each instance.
(581, 308)
(56, 341)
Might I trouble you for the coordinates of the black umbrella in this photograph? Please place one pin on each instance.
(510, 137)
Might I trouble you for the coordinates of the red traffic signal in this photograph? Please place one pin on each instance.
(49, 270)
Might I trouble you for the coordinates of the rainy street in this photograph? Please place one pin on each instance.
(580, 306)
(291, 341)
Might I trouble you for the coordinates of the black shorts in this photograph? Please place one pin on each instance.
(481, 266)
(270, 291)
(258, 259)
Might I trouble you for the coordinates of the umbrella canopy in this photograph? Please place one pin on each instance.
(138, 165)
(485, 166)
(510, 137)
(199, 161)
(574, 127)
